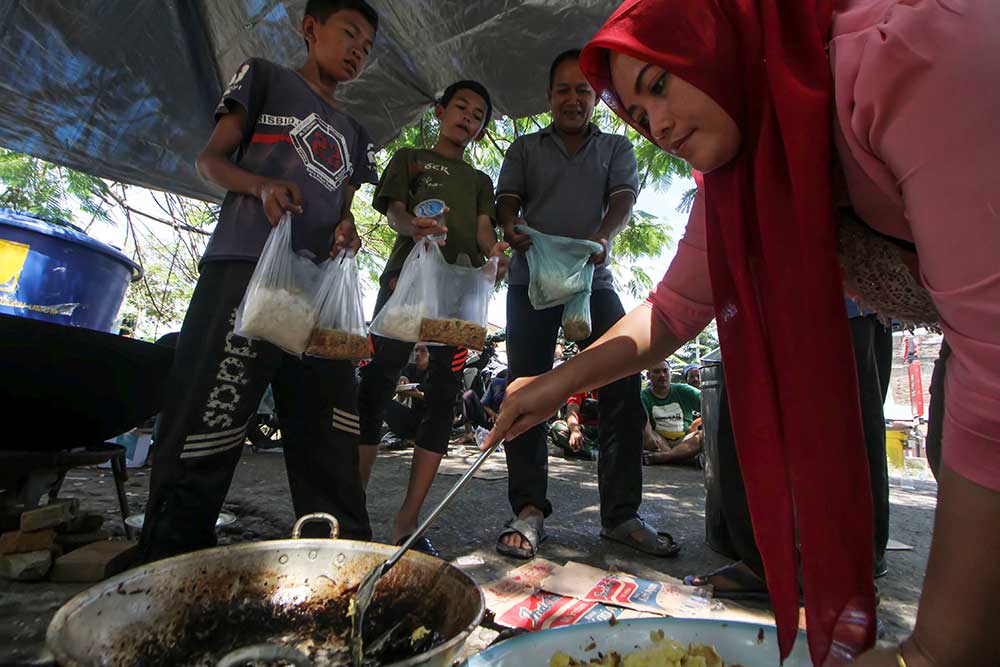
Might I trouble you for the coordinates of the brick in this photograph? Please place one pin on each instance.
(85, 523)
(71, 541)
(31, 566)
(49, 516)
(18, 542)
(10, 517)
(94, 562)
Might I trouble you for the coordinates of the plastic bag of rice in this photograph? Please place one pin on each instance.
(278, 305)
(340, 321)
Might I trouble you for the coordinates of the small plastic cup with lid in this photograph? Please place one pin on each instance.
(434, 209)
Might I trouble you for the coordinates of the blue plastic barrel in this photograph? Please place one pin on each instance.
(55, 272)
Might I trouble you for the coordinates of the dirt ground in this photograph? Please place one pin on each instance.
(673, 501)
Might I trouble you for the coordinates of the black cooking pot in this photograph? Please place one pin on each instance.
(71, 386)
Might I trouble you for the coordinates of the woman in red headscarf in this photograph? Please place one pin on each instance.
(828, 141)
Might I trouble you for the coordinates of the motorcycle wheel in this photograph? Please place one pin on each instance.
(264, 433)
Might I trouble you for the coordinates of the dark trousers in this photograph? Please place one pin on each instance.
(531, 339)
(403, 420)
(473, 412)
(380, 377)
(935, 411)
(214, 388)
(873, 356)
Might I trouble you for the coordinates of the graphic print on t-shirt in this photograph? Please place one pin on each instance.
(422, 175)
(234, 83)
(669, 420)
(288, 132)
(323, 151)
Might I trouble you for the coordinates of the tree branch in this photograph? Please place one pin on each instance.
(123, 204)
(145, 277)
(171, 223)
(489, 135)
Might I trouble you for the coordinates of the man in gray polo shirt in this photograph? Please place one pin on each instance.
(571, 179)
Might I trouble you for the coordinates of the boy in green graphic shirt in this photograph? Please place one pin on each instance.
(415, 175)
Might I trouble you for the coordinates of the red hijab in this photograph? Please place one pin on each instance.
(778, 296)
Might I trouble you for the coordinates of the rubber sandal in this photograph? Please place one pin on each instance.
(531, 529)
(651, 541)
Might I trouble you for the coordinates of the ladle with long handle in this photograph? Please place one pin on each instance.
(362, 599)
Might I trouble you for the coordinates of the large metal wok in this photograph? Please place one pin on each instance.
(203, 608)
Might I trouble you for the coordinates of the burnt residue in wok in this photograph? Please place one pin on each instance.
(320, 628)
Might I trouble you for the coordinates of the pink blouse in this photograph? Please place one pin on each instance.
(917, 104)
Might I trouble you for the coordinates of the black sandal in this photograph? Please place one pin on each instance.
(748, 586)
(423, 545)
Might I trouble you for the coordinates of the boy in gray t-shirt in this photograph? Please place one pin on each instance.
(290, 138)
(280, 144)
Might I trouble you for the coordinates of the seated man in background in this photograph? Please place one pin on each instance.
(577, 434)
(670, 409)
(692, 375)
(480, 412)
(404, 414)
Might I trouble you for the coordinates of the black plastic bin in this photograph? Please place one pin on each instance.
(728, 529)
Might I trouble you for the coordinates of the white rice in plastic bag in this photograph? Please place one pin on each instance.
(279, 317)
(402, 322)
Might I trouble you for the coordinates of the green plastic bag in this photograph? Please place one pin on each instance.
(576, 322)
(561, 275)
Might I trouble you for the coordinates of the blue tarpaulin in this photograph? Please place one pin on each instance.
(125, 89)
